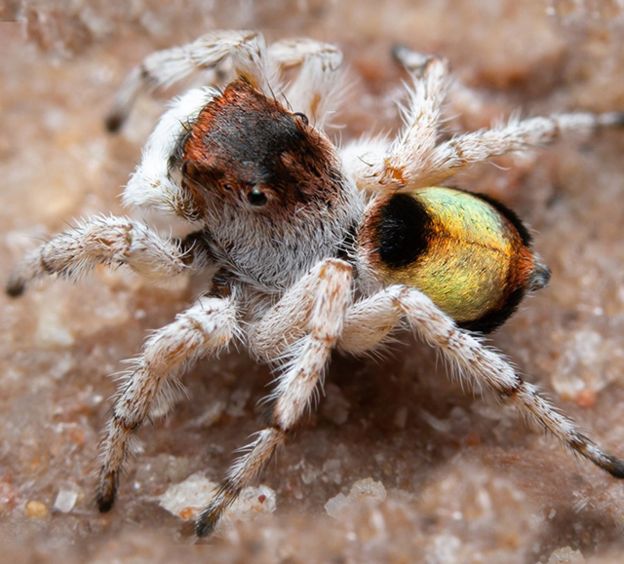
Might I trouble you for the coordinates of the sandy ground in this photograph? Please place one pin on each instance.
(397, 464)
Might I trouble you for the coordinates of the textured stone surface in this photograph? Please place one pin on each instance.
(464, 479)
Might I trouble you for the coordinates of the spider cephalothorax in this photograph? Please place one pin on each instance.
(261, 177)
(245, 147)
(314, 247)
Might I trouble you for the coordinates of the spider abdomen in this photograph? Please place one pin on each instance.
(471, 255)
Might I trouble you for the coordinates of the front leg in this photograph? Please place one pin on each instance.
(103, 240)
(297, 383)
(205, 328)
(287, 321)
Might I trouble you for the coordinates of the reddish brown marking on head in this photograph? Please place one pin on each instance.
(247, 148)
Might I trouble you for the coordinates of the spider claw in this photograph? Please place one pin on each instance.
(15, 286)
(114, 121)
(615, 466)
(412, 61)
(107, 490)
(207, 521)
(209, 517)
(204, 527)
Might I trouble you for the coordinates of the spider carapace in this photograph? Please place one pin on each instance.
(314, 247)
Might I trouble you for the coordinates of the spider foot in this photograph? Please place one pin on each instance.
(107, 491)
(15, 286)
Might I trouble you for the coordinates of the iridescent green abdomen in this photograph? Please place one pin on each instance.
(469, 254)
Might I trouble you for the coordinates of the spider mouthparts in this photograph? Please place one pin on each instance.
(539, 277)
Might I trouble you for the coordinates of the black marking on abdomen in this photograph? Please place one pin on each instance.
(494, 318)
(509, 215)
(402, 232)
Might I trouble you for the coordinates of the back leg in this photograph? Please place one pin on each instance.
(461, 100)
(382, 163)
(316, 90)
(245, 49)
(368, 323)
(414, 159)
(461, 151)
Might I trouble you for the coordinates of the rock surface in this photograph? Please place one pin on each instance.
(463, 479)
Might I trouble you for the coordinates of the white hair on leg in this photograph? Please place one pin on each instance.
(475, 364)
(315, 90)
(296, 387)
(461, 99)
(368, 325)
(109, 240)
(389, 164)
(516, 135)
(361, 160)
(421, 117)
(155, 184)
(149, 386)
(246, 50)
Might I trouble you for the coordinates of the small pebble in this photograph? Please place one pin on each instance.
(362, 490)
(36, 510)
(186, 499)
(586, 398)
(65, 501)
(566, 555)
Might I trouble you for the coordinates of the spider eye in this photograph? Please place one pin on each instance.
(302, 117)
(257, 197)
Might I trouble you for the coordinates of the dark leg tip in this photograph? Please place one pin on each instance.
(15, 288)
(204, 526)
(615, 467)
(113, 122)
(105, 497)
(618, 120)
(611, 119)
(105, 504)
(412, 61)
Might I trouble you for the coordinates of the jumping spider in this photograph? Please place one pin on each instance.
(314, 247)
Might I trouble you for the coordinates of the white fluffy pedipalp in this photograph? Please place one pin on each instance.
(155, 182)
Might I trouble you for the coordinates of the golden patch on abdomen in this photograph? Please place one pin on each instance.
(469, 254)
